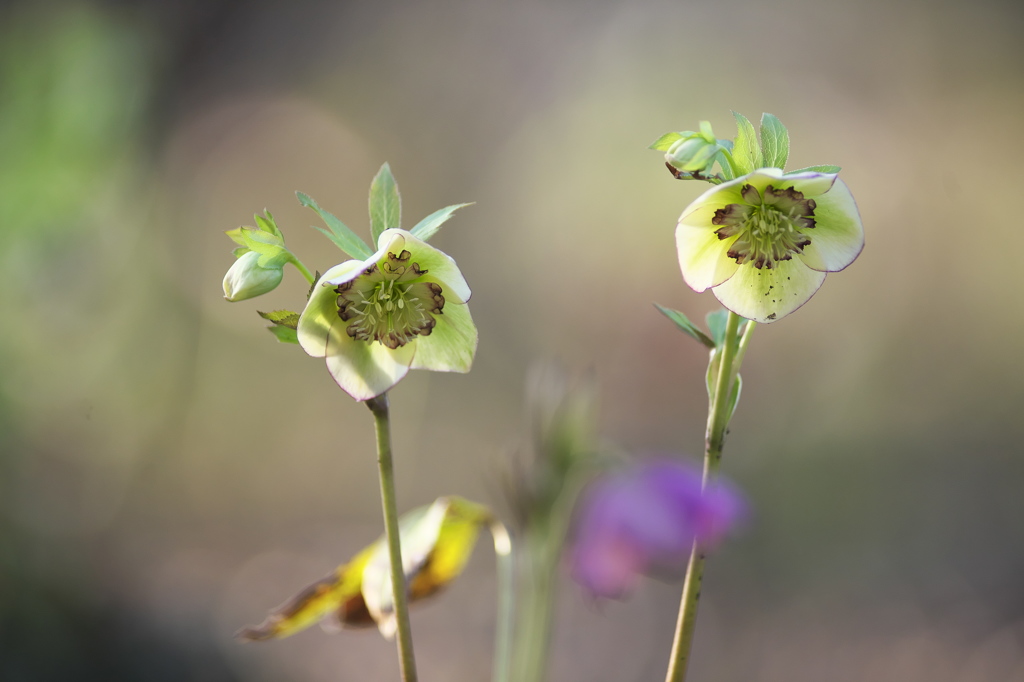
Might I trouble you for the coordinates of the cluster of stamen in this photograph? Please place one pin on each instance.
(386, 303)
(767, 226)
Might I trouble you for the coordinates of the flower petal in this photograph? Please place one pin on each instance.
(440, 266)
(838, 237)
(452, 343)
(363, 369)
(703, 257)
(767, 295)
(321, 310)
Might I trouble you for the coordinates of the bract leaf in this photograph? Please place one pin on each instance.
(343, 237)
(774, 141)
(663, 143)
(746, 151)
(683, 322)
(428, 227)
(284, 334)
(283, 318)
(816, 169)
(717, 320)
(385, 203)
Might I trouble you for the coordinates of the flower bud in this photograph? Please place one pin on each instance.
(248, 279)
(694, 152)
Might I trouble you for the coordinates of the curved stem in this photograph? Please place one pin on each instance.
(302, 268)
(718, 420)
(382, 420)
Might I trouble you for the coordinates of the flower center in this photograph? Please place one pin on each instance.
(767, 226)
(386, 304)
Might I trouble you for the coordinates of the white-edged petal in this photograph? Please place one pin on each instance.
(838, 236)
(767, 295)
(321, 311)
(365, 370)
(703, 256)
(451, 344)
(440, 267)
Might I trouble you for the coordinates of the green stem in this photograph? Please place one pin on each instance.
(382, 419)
(302, 268)
(718, 420)
(506, 602)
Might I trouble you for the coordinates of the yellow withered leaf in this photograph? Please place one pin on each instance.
(437, 541)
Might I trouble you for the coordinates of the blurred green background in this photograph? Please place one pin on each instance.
(168, 472)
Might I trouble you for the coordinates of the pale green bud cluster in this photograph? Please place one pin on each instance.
(247, 279)
(261, 257)
(692, 152)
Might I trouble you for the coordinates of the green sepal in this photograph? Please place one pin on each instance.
(428, 227)
(385, 203)
(240, 251)
(774, 141)
(340, 234)
(684, 324)
(747, 151)
(663, 143)
(284, 334)
(268, 224)
(283, 318)
(270, 246)
(236, 236)
(816, 169)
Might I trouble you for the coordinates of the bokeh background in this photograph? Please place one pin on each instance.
(168, 472)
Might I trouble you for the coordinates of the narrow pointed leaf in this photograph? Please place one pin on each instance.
(683, 322)
(428, 227)
(816, 169)
(343, 237)
(774, 141)
(716, 321)
(385, 203)
(746, 151)
(663, 143)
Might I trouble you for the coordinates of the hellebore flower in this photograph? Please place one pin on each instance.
(764, 242)
(246, 278)
(401, 308)
(645, 520)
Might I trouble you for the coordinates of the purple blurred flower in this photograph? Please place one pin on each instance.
(645, 519)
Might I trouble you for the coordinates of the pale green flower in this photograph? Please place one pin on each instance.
(764, 242)
(402, 308)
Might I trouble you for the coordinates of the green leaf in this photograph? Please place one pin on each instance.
(284, 318)
(816, 169)
(236, 236)
(716, 321)
(284, 334)
(268, 224)
(344, 238)
(663, 143)
(747, 151)
(774, 141)
(685, 325)
(428, 227)
(385, 203)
